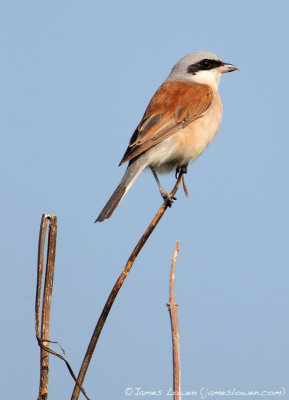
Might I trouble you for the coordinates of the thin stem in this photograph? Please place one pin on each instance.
(47, 296)
(43, 340)
(173, 310)
(116, 288)
(41, 248)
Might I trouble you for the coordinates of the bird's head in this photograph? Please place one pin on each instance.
(202, 67)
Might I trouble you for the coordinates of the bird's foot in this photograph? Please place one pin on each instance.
(167, 198)
(184, 170)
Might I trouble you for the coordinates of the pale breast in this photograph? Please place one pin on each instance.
(194, 139)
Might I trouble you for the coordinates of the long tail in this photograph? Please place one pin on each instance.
(131, 173)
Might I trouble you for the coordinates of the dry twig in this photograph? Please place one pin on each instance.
(47, 295)
(173, 310)
(116, 288)
(43, 340)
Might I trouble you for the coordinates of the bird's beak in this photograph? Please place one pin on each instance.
(225, 67)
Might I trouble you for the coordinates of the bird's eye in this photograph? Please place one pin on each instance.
(206, 64)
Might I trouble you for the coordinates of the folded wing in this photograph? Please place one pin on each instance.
(174, 106)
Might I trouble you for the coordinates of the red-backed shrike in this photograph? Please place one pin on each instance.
(182, 118)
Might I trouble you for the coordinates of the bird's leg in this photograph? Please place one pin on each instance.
(183, 169)
(177, 172)
(164, 194)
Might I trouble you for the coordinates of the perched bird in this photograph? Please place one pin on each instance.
(182, 118)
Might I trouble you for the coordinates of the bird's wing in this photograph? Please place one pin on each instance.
(174, 106)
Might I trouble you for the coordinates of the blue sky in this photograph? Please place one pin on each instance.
(75, 80)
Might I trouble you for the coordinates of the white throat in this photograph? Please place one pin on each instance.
(210, 78)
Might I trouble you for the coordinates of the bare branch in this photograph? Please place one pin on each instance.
(47, 295)
(185, 188)
(44, 341)
(116, 288)
(173, 310)
(41, 248)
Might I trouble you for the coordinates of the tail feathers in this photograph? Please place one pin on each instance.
(131, 173)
